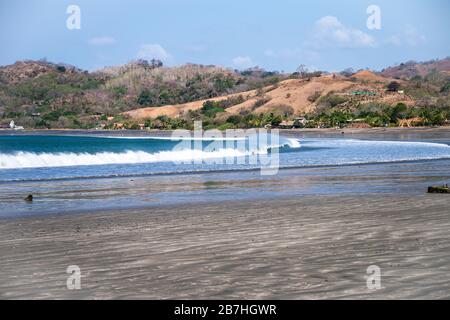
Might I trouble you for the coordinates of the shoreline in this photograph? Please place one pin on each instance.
(375, 130)
(148, 192)
(188, 173)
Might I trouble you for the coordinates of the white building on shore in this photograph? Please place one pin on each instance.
(13, 126)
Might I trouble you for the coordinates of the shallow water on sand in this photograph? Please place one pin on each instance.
(78, 195)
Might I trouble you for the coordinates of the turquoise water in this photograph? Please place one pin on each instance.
(27, 158)
(84, 173)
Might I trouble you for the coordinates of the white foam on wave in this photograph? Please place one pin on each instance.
(353, 151)
(23, 159)
(291, 143)
(414, 151)
(42, 160)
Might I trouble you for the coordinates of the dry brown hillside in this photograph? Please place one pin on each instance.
(366, 75)
(293, 96)
(21, 70)
(412, 68)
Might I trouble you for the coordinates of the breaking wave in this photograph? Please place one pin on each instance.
(23, 159)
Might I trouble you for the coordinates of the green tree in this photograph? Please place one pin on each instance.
(397, 112)
(145, 98)
(393, 86)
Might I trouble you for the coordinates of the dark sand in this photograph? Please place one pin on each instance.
(306, 248)
(368, 133)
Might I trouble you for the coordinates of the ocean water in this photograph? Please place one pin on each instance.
(31, 158)
(83, 173)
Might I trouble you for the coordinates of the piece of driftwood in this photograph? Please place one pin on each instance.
(443, 189)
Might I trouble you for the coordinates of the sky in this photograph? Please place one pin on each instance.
(278, 35)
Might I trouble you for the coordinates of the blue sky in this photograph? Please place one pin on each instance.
(277, 35)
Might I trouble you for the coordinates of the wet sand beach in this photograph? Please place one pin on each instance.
(302, 248)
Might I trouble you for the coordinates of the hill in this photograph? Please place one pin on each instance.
(412, 69)
(294, 97)
(365, 75)
(40, 94)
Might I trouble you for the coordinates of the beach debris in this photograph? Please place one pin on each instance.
(436, 189)
(29, 198)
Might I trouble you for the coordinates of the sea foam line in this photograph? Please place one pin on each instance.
(23, 159)
(40, 160)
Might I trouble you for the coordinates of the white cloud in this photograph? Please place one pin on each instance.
(243, 62)
(330, 32)
(409, 36)
(102, 41)
(154, 51)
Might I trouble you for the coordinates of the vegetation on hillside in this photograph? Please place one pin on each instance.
(39, 94)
